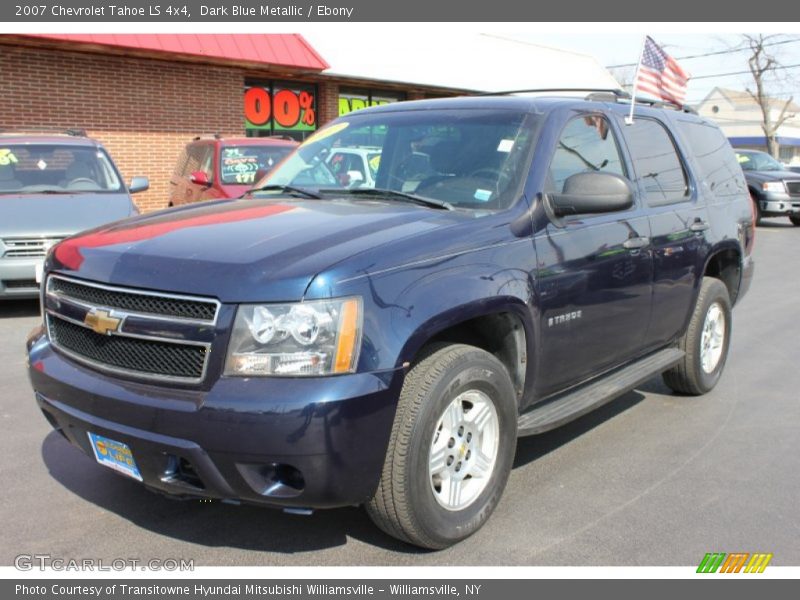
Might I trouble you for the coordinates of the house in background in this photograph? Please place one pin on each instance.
(739, 116)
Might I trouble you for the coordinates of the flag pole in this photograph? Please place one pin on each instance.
(629, 119)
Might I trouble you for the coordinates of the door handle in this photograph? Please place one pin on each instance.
(698, 226)
(636, 243)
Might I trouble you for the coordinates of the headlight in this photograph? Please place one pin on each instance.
(773, 186)
(319, 337)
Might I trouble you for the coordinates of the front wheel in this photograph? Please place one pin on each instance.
(705, 342)
(451, 448)
(756, 209)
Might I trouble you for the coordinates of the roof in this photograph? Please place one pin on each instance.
(465, 61)
(535, 104)
(284, 50)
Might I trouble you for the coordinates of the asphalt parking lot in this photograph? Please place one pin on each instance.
(650, 479)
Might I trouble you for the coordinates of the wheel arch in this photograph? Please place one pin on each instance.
(501, 326)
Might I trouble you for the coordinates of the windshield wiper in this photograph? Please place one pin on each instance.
(288, 189)
(395, 195)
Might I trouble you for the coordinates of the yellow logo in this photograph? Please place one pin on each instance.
(101, 321)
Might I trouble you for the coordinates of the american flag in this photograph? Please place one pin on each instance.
(660, 75)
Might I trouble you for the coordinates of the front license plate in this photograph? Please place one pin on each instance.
(115, 455)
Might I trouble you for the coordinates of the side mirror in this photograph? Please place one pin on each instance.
(200, 178)
(592, 192)
(139, 184)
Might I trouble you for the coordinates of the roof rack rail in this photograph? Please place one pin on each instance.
(665, 104)
(615, 91)
(600, 95)
(72, 131)
(215, 136)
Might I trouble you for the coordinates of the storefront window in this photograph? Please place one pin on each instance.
(279, 108)
(350, 99)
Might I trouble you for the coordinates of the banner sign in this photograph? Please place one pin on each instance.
(279, 110)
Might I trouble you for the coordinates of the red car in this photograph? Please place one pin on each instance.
(217, 167)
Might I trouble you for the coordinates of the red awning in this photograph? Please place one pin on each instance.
(273, 49)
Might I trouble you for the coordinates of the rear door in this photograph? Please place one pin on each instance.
(594, 273)
(678, 223)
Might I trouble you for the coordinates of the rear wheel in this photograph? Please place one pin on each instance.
(451, 448)
(705, 342)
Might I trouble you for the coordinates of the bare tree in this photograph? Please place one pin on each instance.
(764, 66)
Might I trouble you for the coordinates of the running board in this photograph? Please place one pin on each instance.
(577, 402)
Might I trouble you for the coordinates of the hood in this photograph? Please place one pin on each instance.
(59, 215)
(240, 250)
(762, 176)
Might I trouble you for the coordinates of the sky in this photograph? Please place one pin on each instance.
(620, 48)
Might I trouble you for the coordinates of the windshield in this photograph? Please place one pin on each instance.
(56, 168)
(758, 161)
(469, 158)
(238, 165)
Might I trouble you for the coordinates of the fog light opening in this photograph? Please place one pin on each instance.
(275, 480)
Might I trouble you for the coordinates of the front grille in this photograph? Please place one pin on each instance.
(28, 247)
(147, 357)
(135, 302)
(17, 284)
(793, 187)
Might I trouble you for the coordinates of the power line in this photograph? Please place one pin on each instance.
(715, 53)
(741, 72)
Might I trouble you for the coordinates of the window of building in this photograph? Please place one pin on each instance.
(353, 99)
(586, 144)
(718, 165)
(658, 167)
(280, 108)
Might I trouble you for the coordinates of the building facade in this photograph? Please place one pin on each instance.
(739, 116)
(145, 96)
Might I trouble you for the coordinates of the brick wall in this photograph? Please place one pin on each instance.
(143, 111)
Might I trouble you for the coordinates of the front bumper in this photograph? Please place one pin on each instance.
(291, 442)
(18, 278)
(779, 204)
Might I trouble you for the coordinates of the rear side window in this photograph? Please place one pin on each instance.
(200, 157)
(586, 144)
(719, 168)
(658, 167)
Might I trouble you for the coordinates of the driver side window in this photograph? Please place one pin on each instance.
(586, 144)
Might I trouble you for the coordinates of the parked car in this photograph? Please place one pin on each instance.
(775, 190)
(355, 166)
(51, 186)
(216, 167)
(327, 346)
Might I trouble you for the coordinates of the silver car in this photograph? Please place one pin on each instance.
(52, 186)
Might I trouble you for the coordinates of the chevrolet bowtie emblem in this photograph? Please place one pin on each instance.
(101, 321)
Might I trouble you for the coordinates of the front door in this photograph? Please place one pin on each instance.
(595, 272)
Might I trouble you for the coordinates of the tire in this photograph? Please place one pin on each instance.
(692, 376)
(795, 220)
(756, 209)
(407, 504)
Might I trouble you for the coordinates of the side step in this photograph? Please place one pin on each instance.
(577, 402)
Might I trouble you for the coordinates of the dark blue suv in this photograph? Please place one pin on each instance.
(517, 262)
